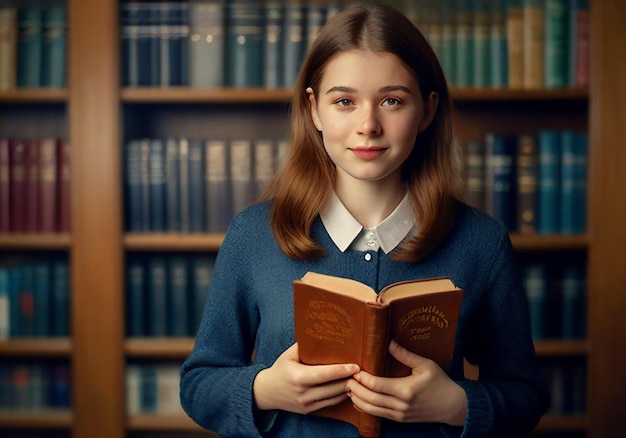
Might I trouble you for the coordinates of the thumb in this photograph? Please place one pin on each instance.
(405, 356)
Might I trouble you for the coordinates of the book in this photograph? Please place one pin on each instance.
(340, 320)
(156, 166)
(475, 174)
(527, 184)
(29, 47)
(173, 43)
(64, 178)
(272, 44)
(498, 63)
(549, 190)
(533, 43)
(196, 186)
(515, 43)
(172, 185)
(8, 47)
(573, 195)
(206, 43)
(556, 43)
(17, 185)
(244, 44)
(54, 47)
(5, 215)
(31, 185)
(463, 34)
(535, 281)
(241, 178)
(294, 44)
(48, 193)
(135, 296)
(500, 178)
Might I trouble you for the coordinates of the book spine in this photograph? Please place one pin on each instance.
(5, 315)
(498, 63)
(54, 48)
(148, 392)
(464, 44)
(132, 385)
(177, 292)
(64, 180)
(315, 17)
(196, 186)
(264, 159)
(5, 191)
(133, 185)
(549, 145)
(573, 308)
(29, 47)
(241, 174)
(219, 210)
(130, 34)
(154, 19)
(515, 43)
(573, 197)
(172, 185)
(294, 46)
(8, 47)
(31, 185)
(17, 184)
(183, 184)
(534, 43)
(135, 297)
(174, 33)
(556, 44)
(157, 297)
(527, 184)
(481, 44)
(448, 41)
(41, 296)
(244, 43)
(202, 269)
(60, 298)
(48, 185)
(500, 184)
(144, 150)
(27, 301)
(475, 174)
(534, 278)
(582, 44)
(206, 44)
(157, 185)
(15, 286)
(272, 45)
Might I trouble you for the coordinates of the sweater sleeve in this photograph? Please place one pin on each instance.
(218, 376)
(510, 396)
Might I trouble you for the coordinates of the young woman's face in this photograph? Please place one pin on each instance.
(369, 110)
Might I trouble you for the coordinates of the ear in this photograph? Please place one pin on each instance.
(430, 109)
(313, 108)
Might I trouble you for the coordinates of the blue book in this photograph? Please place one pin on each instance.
(178, 293)
(135, 297)
(5, 315)
(54, 48)
(294, 45)
(573, 303)
(60, 299)
(464, 44)
(501, 179)
(219, 201)
(133, 186)
(136, 44)
(244, 44)
(42, 305)
(315, 17)
(173, 53)
(206, 43)
(549, 146)
(481, 40)
(27, 299)
(202, 269)
(498, 51)
(183, 184)
(535, 280)
(172, 185)
(156, 165)
(573, 198)
(448, 41)
(196, 186)
(29, 47)
(60, 386)
(149, 388)
(157, 296)
(556, 48)
(273, 44)
(152, 24)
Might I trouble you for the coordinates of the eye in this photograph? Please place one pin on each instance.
(391, 101)
(343, 102)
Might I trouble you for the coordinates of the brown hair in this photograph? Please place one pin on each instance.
(301, 187)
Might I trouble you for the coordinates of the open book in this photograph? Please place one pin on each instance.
(339, 320)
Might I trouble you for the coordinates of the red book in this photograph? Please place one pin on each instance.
(48, 185)
(17, 185)
(5, 225)
(31, 185)
(64, 178)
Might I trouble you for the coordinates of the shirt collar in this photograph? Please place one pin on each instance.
(344, 229)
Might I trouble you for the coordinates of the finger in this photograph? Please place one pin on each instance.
(374, 403)
(319, 374)
(405, 356)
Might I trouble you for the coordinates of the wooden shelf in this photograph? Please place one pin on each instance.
(535, 242)
(36, 347)
(558, 347)
(161, 348)
(165, 423)
(486, 94)
(40, 420)
(563, 423)
(34, 95)
(53, 241)
(173, 242)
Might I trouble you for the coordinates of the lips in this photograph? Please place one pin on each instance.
(368, 153)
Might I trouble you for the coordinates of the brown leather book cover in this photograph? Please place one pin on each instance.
(339, 320)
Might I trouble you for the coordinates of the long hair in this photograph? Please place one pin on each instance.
(301, 188)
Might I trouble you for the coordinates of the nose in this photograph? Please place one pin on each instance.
(370, 124)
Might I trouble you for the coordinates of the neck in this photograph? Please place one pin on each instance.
(370, 202)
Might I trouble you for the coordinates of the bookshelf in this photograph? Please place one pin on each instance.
(95, 112)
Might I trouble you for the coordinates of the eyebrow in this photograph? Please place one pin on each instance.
(385, 89)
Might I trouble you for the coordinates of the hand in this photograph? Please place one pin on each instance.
(427, 395)
(292, 386)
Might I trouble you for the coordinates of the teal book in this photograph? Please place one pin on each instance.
(481, 61)
(556, 50)
(315, 17)
(549, 147)
(218, 203)
(183, 184)
(60, 299)
(535, 281)
(241, 174)
(133, 186)
(448, 41)
(573, 197)
(178, 294)
(464, 44)
(42, 307)
(196, 186)
(135, 296)
(202, 269)
(172, 185)
(294, 45)
(29, 47)
(498, 54)
(501, 179)
(157, 321)
(54, 48)
(573, 303)
(244, 44)
(5, 315)
(156, 166)
(148, 388)
(206, 43)
(173, 43)
(27, 301)
(273, 44)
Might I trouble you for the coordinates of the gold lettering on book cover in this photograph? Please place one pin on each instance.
(329, 322)
(426, 317)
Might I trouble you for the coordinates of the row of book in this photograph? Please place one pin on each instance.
(35, 179)
(34, 298)
(165, 293)
(153, 388)
(566, 381)
(33, 46)
(557, 299)
(533, 183)
(192, 185)
(26, 386)
(480, 43)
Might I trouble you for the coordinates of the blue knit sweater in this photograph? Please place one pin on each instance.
(250, 307)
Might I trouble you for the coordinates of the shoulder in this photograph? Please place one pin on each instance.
(249, 228)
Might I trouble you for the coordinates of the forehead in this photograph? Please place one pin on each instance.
(366, 67)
